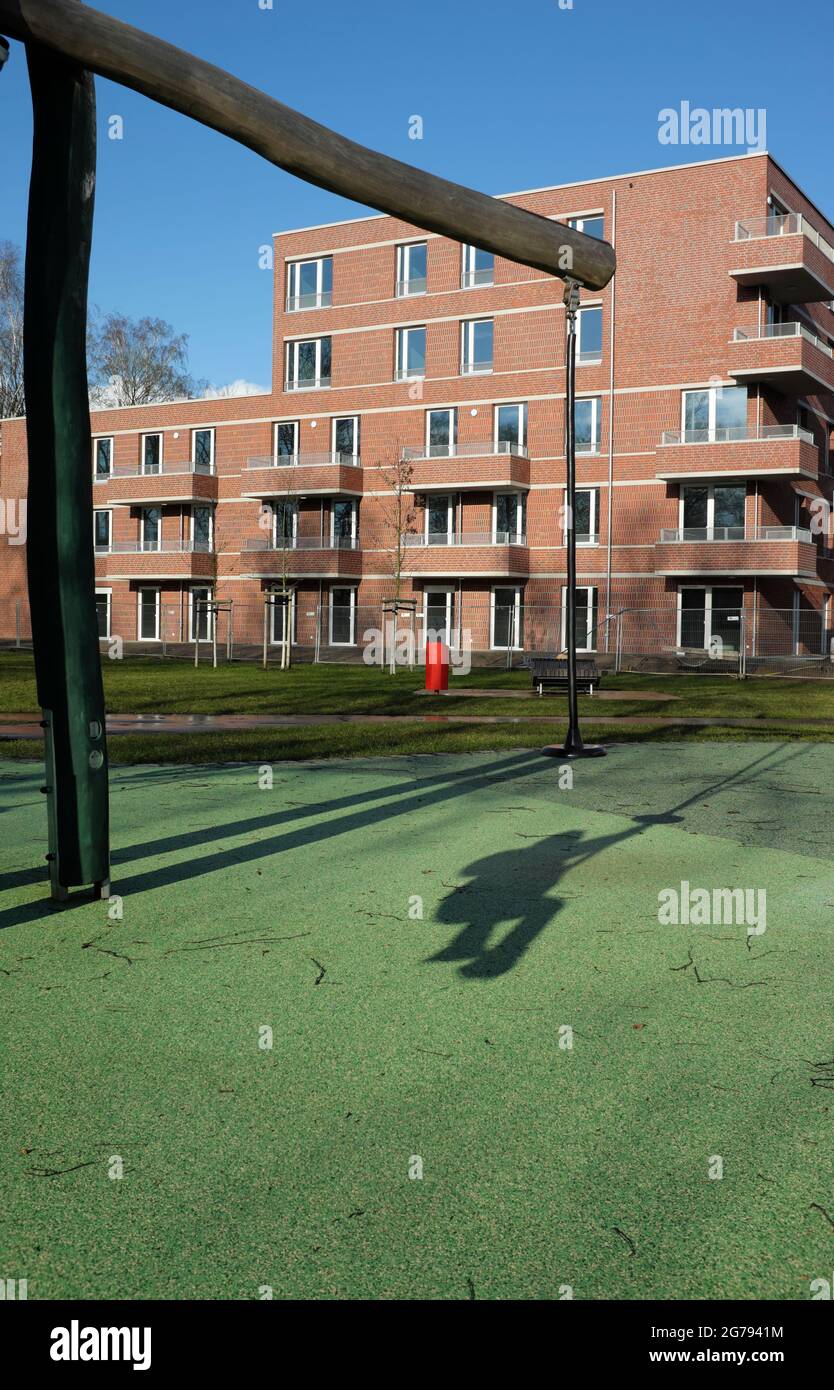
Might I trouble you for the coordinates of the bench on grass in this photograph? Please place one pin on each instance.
(551, 673)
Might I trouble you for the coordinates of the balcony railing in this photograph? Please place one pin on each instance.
(135, 470)
(296, 302)
(318, 383)
(590, 358)
(781, 330)
(472, 278)
(303, 543)
(730, 434)
(407, 288)
(477, 449)
(465, 538)
(409, 374)
(312, 460)
(783, 224)
(160, 547)
(476, 368)
(736, 533)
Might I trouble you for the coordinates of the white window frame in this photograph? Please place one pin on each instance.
(516, 646)
(401, 371)
(451, 516)
(520, 509)
(348, 589)
(452, 412)
(108, 512)
(587, 589)
(710, 486)
(357, 446)
(521, 407)
(582, 316)
(154, 549)
(468, 273)
(712, 392)
(596, 426)
(200, 589)
(147, 589)
(467, 346)
(202, 429)
(319, 383)
(292, 503)
(706, 589)
(290, 597)
(449, 591)
(354, 521)
(108, 594)
(103, 439)
(594, 490)
(285, 460)
(152, 434)
(323, 298)
(578, 223)
(191, 519)
(403, 288)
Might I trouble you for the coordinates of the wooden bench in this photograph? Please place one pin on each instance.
(551, 673)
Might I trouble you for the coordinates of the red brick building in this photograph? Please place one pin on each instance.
(405, 362)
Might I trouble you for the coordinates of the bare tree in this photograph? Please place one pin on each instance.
(137, 362)
(12, 400)
(399, 514)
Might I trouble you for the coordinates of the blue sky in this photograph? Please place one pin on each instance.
(512, 96)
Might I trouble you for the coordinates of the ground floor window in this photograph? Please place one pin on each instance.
(438, 614)
(708, 615)
(104, 599)
(148, 600)
(200, 616)
(342, 617)
(281, 612)
(506, 618)
(586, 618)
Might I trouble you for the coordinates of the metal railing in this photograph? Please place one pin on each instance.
(322, 300)
(781, 224)
(476, 449)
(409, 374)
(306, 460)
(318, 383)
(165, 469)
(476, 368)
(268, 543)
(729, 434)
(443, 538)
(781, 330)
(590, 358)
(470, 279)
(160, 547)
(406, 288)
(736, 533)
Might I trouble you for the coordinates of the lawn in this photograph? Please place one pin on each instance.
(467, 912)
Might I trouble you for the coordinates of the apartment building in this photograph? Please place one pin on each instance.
(413, 442)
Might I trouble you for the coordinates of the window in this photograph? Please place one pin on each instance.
(709, 615)
(713, 512)
(310, 284)
(202, 528)
(441, 517)
(586, 618)
(478, 267)
(151, 528)
(103, 607)
(200, 617)
(343, 519)
(717, 413)
(286, 441)
(438, 614)
(281, 606)
(148, 615)
(591, 226)
(411, 268)
(476, 346)
(509, 518)
(411, 354)
(284, 523)
(102, 526)
(151, 453)
(308, 364)
(511, 429)
(441, 433)
(202, 450)
(588, 425)
(589, 336)
(586, 520)
(103, 457)
(342, 617)
(346, 438)
(506, 619)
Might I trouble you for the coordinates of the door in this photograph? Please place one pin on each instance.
(201, 619)
(342, 617)
(282, 611)
(725, 617)
(148, 615)
(506, 619)
(438, 615)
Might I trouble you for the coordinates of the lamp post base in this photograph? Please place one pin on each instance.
(573, 747)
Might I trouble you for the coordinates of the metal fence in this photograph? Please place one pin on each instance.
(667, 638)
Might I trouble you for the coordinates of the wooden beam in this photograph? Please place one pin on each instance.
(300, 145)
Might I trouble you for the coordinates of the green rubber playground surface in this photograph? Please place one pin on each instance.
(403, 1041)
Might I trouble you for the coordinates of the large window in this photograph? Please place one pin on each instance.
(102, 528)
(588, 425)
(342, 617)
(200, 617)
(282, 610)
(589, 336)
(438, 614)
(441, 519)
(202, 450)
(103, 457)
(202, 528)
(343, 523)
(310, 284)
(104, 598)
(346, 437)
(286, 441)
(586, 520)
(509, 518)
(591, 226)
(506, 619)
(476, 346)
(441, 433)
(148, 620)
(151, 453)
(411, 268)
(708, 616)
(411, 354)
(586, 618)
(511, 429)
(308, 364)
(151, 528)
(284, 523)
(478, 267)
(716, 413)
(713, 512)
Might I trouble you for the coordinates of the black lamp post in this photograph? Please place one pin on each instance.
(573, 746)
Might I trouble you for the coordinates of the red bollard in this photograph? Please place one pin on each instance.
(437, 666)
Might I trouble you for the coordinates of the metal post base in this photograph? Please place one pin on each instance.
(588, 750)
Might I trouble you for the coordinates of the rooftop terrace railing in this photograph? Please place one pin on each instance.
(781, 224)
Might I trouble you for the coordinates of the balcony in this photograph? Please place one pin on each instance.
(303, 475)
(786, 255)
(169, 559)
(786, 356)
(128, 485)
(495, 553)
(736, 551)
(469, 466)
(743, 452)
(303, 557)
